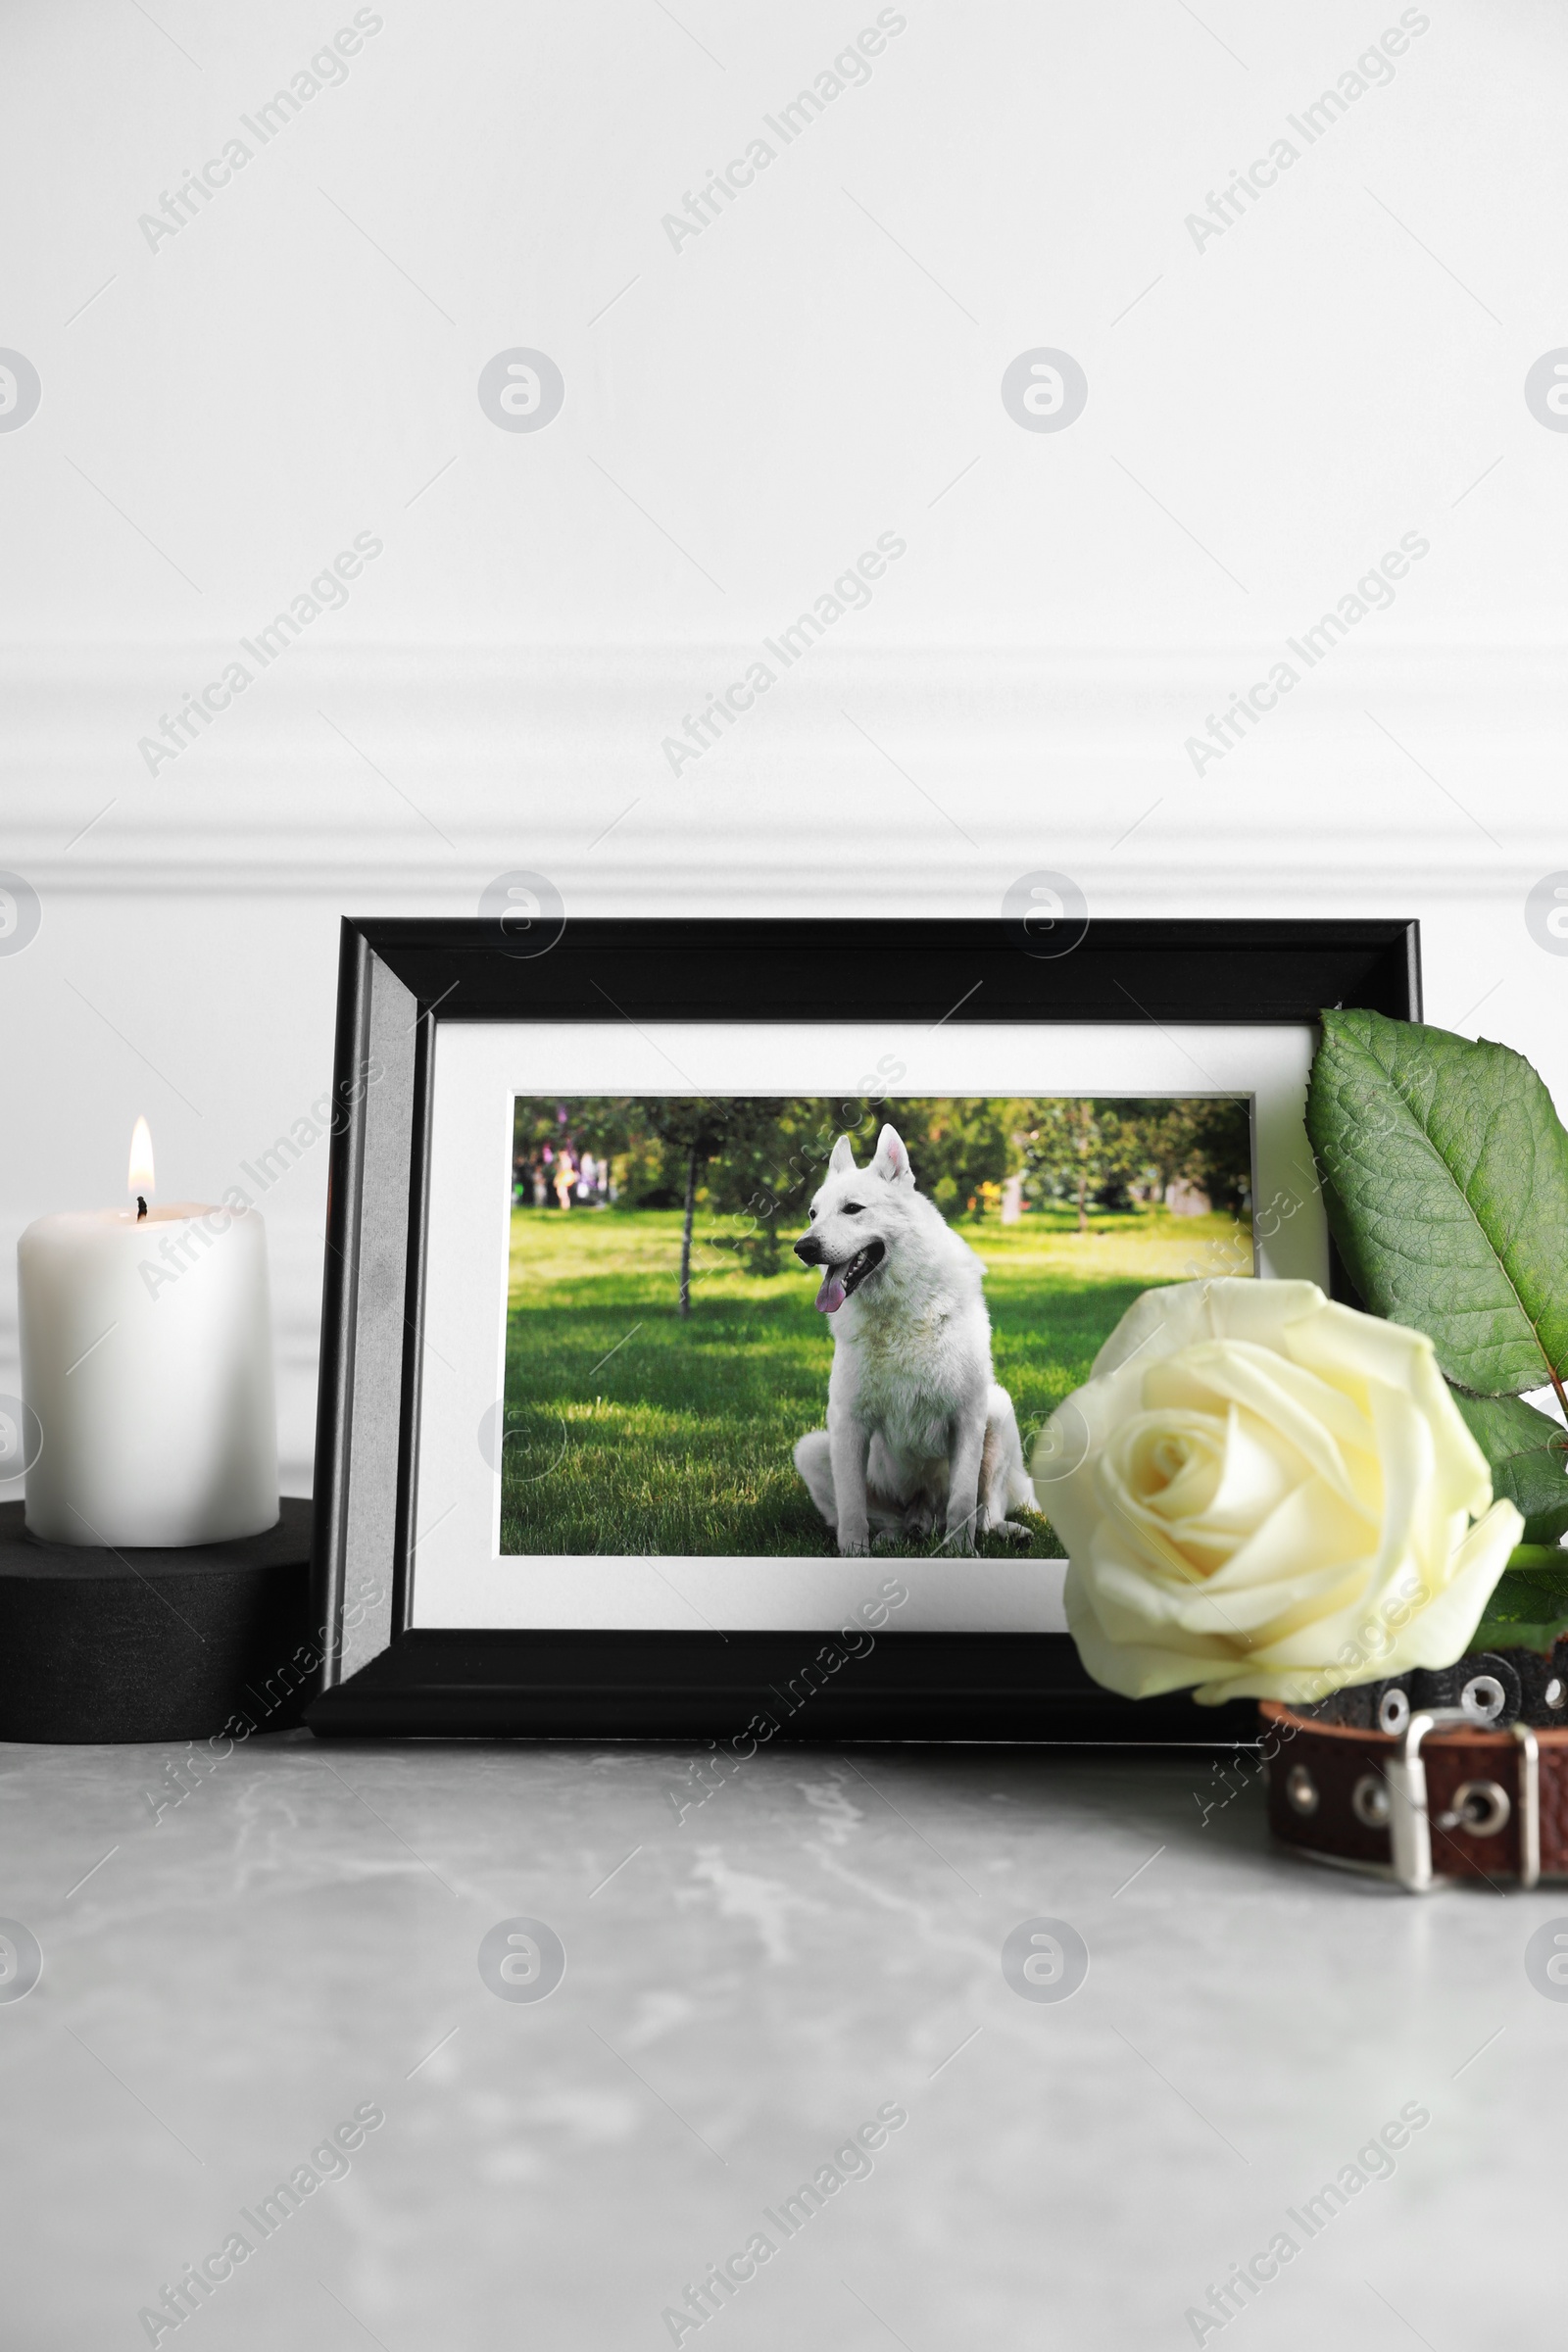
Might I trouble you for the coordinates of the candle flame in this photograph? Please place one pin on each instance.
(140, 1179)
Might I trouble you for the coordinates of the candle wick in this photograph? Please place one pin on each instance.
(142, 1208)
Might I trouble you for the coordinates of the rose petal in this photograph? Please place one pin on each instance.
(1329, 1431)
(1404, 1362)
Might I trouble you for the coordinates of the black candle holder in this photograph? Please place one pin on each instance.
(154, 1643)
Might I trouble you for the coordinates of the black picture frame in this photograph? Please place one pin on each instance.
(398, 979)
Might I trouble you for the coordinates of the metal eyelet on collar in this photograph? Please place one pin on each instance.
(1480, 1809)
(1369, 1800)
(1483, 1698)
(1301, 1790)
(1394, 1711)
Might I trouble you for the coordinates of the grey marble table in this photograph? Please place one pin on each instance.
(750, 1976)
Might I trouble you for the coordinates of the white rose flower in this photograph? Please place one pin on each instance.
(1273, 1495)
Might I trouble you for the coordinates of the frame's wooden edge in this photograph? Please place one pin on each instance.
(403, 1537)
(454, 962)
(387, 934)
(333, 1420)
(719, 1691)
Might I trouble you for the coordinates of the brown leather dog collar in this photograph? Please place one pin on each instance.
(1440, 1798)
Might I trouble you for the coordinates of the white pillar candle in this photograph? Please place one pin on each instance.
(147, 1359)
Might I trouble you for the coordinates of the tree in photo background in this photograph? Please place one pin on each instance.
(962, 1151)
(697, 1130)
(1120, 1153)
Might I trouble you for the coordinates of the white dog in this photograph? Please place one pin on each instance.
(917, 1429)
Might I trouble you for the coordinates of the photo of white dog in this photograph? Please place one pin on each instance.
(919, 1432)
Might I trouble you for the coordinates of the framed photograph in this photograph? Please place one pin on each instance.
(697, 1293)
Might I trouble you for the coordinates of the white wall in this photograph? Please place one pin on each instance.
(299, 364)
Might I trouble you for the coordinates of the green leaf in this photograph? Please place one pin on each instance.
(1445, 1180)
(1529, 1457)
(1528, 1610)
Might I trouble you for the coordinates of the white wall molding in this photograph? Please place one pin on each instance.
(391, 771)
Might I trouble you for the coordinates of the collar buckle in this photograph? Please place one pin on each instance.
(1410, 1820)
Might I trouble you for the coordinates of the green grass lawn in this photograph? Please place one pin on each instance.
(630, 1431)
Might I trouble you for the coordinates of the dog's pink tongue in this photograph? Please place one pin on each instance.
(830, 1297)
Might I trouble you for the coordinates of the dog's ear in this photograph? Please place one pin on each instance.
(892, 1161)
(843, 1159)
